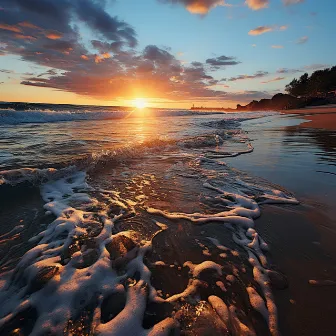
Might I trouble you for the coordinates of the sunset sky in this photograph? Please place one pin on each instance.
(171, 52)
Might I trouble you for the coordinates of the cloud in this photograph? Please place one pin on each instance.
(311, 67)
(6, 71)
(155, 54)
(28, 25)
(50, 72)
(197, 6)
(110, 65)
(258, 74)
(302, 40)
(260, 30)
(277, 46)
(220, 61)
(257, 4)
(292, 2)
(273, 80)
(316, 66)
(53, 35)
(11, 28)
(265, 29)
(287, 71)
(248, 95)
(102, 57)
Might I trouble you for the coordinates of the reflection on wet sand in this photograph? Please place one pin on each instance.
(324, 139)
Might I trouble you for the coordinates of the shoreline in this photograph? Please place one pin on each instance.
(301, 237)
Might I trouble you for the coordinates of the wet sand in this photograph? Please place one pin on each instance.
(302, 238)
(302, 247)
(320, 117)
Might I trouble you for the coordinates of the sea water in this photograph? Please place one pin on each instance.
(133, 223)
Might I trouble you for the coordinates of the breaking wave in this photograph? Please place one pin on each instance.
(13, 117)
(195, 145)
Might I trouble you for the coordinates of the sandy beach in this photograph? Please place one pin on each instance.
(321, 117)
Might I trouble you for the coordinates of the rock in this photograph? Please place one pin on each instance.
(120, 246)
(122, 249)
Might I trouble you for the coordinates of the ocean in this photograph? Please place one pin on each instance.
(126, 222)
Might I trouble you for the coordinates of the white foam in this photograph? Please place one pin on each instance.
(241, 213)
(229, 317)
(84, 276)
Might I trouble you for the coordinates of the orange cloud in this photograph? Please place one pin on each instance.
(197, 6)
(53, 35)
(273, 80)
(25, 37)
(203, 6)
(277, 46)
(100, 58)
(260, 30)
(14, 29)
(265, 29)
(84, 57)
(28, 25)
(257, 4)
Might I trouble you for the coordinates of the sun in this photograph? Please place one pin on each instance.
(140, 103)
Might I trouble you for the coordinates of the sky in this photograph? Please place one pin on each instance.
(171, 53)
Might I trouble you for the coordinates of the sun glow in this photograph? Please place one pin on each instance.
(140, 103)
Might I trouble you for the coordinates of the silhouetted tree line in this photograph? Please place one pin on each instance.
(321, 83)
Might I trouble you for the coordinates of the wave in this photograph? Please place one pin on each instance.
(12, 117)
(202, 145)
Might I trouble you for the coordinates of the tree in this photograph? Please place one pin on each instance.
(319, 84)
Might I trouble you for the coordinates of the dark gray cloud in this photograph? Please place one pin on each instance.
(287, 71)
(155, 54)
(59, 15)
(103, 47)
(6, 71)
(258, 74)
(222, 61)
(92, 14)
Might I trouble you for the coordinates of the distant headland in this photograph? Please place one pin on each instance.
(315, 90)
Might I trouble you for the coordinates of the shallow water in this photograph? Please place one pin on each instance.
(149, 232)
